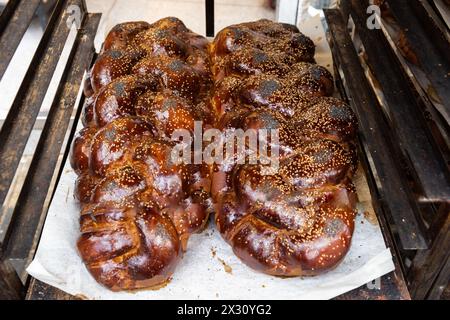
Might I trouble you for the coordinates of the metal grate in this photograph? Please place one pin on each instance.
(19, 241)
(407, 152)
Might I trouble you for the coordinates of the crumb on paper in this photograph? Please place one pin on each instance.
(370, 216)
(226, 267)
(67, 194)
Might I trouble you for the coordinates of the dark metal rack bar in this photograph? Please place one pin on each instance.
(20, 13)
(428, 275)
(209, 10)
(18, 244)
(394, 193)
(429, 41)
(393, 285)
(407, 118)
(26, 216)
(411, 168)
(22, 115)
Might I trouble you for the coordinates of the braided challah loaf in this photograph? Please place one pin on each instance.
(300, 220)
(138, 208)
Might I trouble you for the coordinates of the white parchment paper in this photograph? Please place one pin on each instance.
(209, 269)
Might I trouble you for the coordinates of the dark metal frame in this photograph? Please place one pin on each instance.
(209, 14)
(397, 204)
(18, 243)
(407, 159)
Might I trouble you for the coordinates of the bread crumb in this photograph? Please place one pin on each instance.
(226, 267)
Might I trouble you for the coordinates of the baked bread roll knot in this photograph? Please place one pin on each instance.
(262, 43)
(139, 207)
(289, 92)
(300, 219)
(129, 44)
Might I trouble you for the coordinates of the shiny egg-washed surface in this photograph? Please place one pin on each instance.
(138, 209)
(300, 220)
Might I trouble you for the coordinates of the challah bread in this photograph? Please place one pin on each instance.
(300, 219)
(138, 208)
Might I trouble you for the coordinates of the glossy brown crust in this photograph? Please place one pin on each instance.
(122, 34)
(169, 112)
(258, 47)
(299, 220)
(126, 248)
(87, 86)
(84, 187)
(289, 93)
(138, 209)
(165, 49)
(87, 113)
(81, 149)
(115, 141)
(113, 64)
(118, 98)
